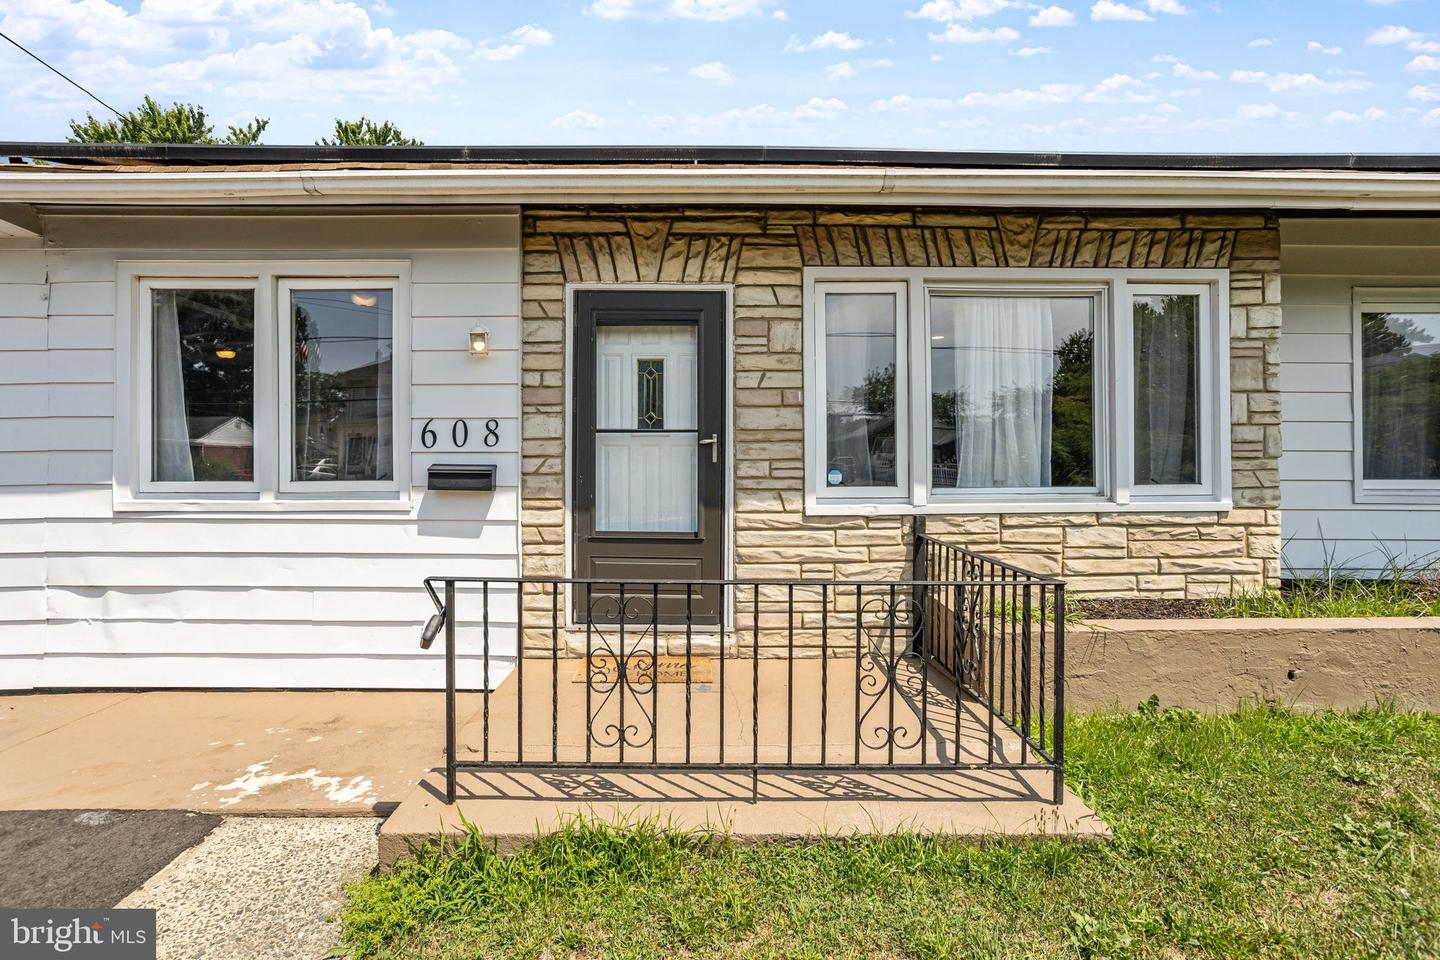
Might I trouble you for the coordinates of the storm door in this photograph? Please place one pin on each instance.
(649, 469)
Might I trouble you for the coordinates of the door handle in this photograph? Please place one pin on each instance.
(713, 442)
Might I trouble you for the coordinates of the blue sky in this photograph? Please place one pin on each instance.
(1160, 75)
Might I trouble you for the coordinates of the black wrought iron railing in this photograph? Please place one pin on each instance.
(960, 668)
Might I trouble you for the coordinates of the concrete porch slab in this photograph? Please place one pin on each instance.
(285, 753)
(807, 714)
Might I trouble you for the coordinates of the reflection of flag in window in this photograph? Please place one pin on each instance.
(308, 349)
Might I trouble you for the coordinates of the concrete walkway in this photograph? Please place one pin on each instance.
(291, 753)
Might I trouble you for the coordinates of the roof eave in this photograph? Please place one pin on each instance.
(1258, 189)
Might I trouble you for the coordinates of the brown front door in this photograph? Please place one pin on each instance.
(649, 473)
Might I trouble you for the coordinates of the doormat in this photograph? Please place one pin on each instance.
(672, 669)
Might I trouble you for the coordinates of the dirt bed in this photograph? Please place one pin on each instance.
(1144, 608)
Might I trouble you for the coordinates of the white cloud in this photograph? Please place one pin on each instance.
(711, 10)
(714, 72)
(1315, 46)
(829, 40)
(1045, 94)
(840, 71)
(578, 120)
(251, 50)
(1180, 68)
(517, 42)
(1371, 114)
(1052, 17)
(764, 115)
(820, 108)
(1173, 7)
(1261, 111)
(901, 102)
(1414, 41)
(1423, 63)
(780, 15)
(945, 11)
(1297, 82)
(1426, 94)
(1391, 33)
(956, 33)
(1113, 10)
(1261, 42)
(1120, 88)
(1029, 51)
(1432, 119)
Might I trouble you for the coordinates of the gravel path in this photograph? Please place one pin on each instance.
(259, 888)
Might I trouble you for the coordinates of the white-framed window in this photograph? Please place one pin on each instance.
(273, 384)
(1396, 353)
(862, 390)
(1018, 389)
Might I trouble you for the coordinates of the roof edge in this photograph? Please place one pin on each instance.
(226, 154)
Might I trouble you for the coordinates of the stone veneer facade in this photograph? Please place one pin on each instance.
(762, 251)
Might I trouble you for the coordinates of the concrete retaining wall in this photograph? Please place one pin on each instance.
(1216, 664)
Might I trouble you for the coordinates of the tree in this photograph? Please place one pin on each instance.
(367, 133)
(152, 123)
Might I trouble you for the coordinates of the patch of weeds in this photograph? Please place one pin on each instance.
(1376, 838)
(1356, 772)
(1099, 939)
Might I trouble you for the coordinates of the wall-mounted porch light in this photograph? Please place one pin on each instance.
(479, 341)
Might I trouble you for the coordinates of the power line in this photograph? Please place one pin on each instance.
(62, 76)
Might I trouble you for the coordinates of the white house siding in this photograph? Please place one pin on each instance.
(1322, 261)
(92, 596)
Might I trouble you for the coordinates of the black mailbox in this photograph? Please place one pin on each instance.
(461, 476)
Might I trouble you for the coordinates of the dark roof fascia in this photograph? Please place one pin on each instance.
(224, 154)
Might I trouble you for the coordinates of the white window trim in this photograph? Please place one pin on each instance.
(815, 398)
(1370, 300)
(133, 489)
(1113, 379)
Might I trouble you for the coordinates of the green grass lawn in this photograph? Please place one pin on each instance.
(1260, 833)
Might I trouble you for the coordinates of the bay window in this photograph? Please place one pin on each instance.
(263, 383)
(1014, 389)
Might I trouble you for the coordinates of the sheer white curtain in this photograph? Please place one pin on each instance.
(1004, 367)
(171, 428)
(1167, 394)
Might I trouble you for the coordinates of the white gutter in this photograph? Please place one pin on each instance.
(1279, 190)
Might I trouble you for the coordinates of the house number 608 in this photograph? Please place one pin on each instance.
(460, 433)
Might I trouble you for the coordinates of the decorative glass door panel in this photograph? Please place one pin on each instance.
(645, 433)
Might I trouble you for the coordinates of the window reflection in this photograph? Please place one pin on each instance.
(342, 390)
(860, 398)
(1400, 381)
